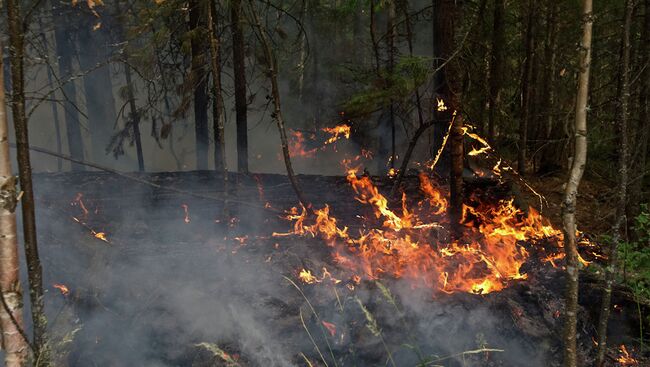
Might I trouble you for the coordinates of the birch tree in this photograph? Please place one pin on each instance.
(571, 190)
(11, 311)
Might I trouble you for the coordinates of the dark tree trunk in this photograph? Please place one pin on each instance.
(100, 104)
(619, 222)
(239, 69)
(134, 117)
(199, 82)
(390, 44)
(218, 118)
(446, 14)
(64, 50)
(496, 68)
(637, 183)
(133, 120)
(34, 270)
(527, 88)
(548, 158)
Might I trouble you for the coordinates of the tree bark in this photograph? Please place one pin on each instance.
(197, 18)
(496, 68)
(218, 117)
(620, 222)
(548, 155)
(34, 270)
(239, 70)
(445, 13)
(11, 309)
(643, 126)
(134, 113)
(64, 49)
(272, 73)
(390, 44)
(134, 116)
(571, 190)
(527, 89)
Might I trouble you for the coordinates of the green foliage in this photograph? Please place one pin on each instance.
(390, 86)
(635, 255)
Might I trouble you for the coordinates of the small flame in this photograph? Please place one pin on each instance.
(441, 105)
(186, 210)
(337, 132)
(625, 358)
(307, 277)
(101, 236)
(62, 288)
(331, 328)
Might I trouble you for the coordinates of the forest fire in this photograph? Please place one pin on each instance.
(411, 243)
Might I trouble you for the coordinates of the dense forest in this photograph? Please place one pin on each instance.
(324, 183)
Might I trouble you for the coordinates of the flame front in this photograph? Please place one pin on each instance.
(410, 243)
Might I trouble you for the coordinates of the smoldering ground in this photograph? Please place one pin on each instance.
(162, 286)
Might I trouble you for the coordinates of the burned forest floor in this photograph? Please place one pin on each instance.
(152, 275)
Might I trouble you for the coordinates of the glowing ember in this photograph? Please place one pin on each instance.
(331, 328)
(101, 236)
(186, 210)
(62, 288)
(625, 359)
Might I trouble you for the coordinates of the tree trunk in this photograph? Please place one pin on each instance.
(636, 184)
(134, 116)
(98, 87)
(548, 155)
(34, 270)
(239, 69)
(571, 190)
(390, 44)
(64, 49)
(303, 51)
(217, 103)
(620, 222)
(496, 68)
(527, 89)
(11, 310)
(445, 13)
(197, 20)
(53, 104)
(277, 109)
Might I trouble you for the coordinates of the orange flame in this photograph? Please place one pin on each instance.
(62, 288)
(625, 358)
(487, 258)
(337, 132)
